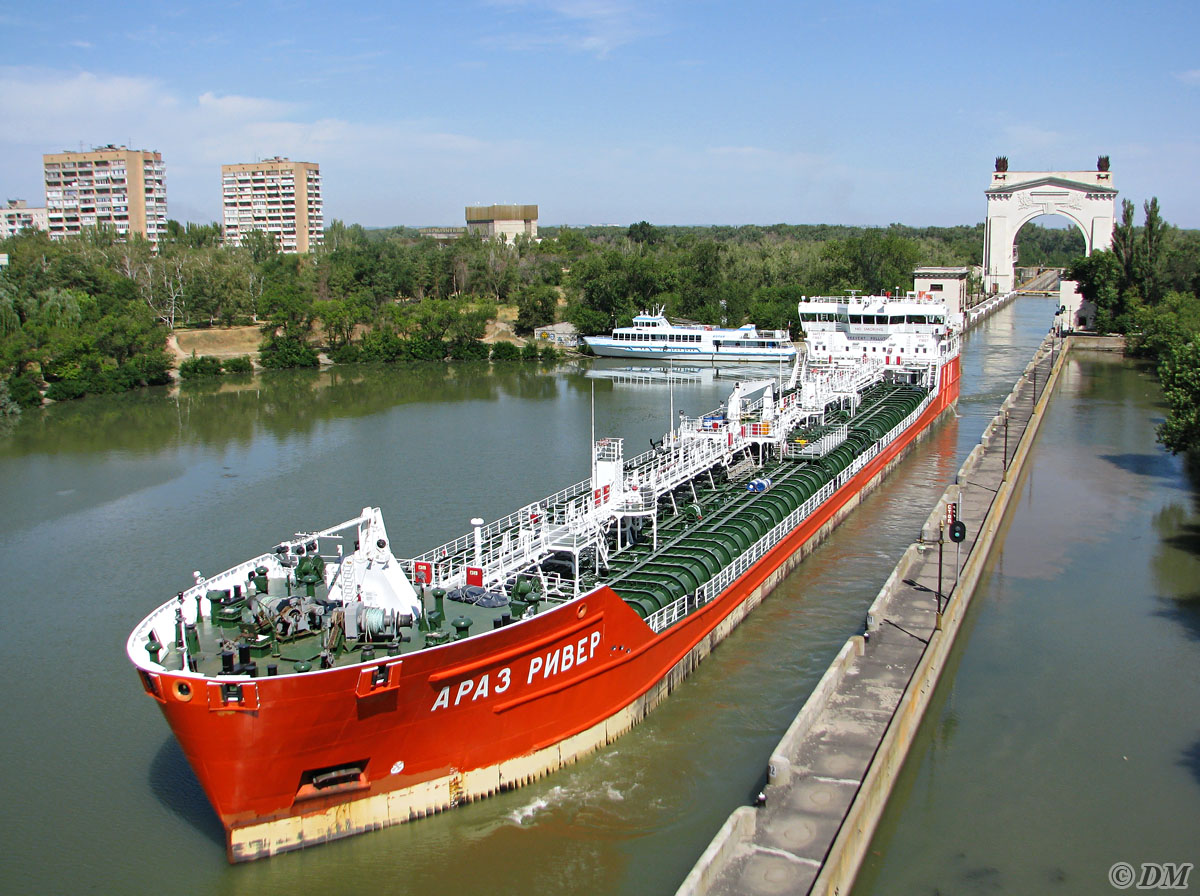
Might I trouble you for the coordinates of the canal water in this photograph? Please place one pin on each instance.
(109, 504)
(1067, 738)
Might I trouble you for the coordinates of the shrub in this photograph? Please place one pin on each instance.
(346, 353)
(148, 369)
(8, 407)
(468, 350)
(240, 364)
(506, 351)
(548, 354)
(419, 348)
(381, 345)
(23, 389)
(65, 390)
(205, 365)
(529, 352)
(280, 352)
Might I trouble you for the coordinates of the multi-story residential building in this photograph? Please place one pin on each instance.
(276, 196)
(17, 216)
(110, 186)
(506, 222)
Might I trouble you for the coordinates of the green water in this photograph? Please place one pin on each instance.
(1068, 738)
(109, 504)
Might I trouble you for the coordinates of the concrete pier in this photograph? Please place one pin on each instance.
(830, 776)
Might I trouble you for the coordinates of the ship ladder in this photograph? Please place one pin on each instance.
(346, 579)
(456, 788)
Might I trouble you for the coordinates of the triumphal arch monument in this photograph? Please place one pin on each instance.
(1085, 198)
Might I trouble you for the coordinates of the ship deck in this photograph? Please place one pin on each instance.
(664, 564)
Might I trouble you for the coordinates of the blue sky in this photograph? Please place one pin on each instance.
(607, 111)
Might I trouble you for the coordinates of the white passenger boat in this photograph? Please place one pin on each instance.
(653, 336)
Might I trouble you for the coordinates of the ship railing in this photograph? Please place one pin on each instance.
(237, 575)
(532, 516)
(676, 610)
(724, 437)
(821, 446)
(660, 473)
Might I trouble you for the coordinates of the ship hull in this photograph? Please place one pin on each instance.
(447, 725)
(605, 348)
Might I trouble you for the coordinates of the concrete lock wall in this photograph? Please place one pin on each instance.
(841, 866)
(722, 867)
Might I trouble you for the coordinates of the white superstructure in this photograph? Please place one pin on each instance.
(887, 330)
(653, 336)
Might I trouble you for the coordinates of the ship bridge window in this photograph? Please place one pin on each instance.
(896, 319)
(917, 319)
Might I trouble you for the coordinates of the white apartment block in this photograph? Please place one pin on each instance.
(505, 222)
(276, 196)
(109, 186)
(17, 216)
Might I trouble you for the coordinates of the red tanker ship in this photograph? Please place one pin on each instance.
(326, 687)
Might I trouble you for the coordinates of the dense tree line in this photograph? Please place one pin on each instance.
(91, 314)
(1147, 286)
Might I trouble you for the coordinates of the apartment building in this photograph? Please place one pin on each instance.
(277, 196)
(505, 222)
(16, 216)
(108, 186)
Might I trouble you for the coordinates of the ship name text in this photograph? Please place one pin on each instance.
(542, 666)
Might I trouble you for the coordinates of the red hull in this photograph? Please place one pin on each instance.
(483, 703)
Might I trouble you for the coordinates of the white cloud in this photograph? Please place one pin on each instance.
(596, 27)
(1190, 77)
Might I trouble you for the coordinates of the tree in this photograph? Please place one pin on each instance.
(875, 262)
(1180, 376)
(1099, 279)
(261, 245)
(337, 318)
(645, 233)
(536, 306)
(1124, 245)
(1153, 232)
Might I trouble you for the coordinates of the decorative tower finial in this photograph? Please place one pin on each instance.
(1001, 163)
(1102, 163)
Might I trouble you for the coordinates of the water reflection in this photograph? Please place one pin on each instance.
(174, 785)
(238, 409)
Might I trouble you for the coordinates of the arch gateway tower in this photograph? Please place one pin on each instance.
(1086, 198)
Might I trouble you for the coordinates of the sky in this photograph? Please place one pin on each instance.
(615, 111)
